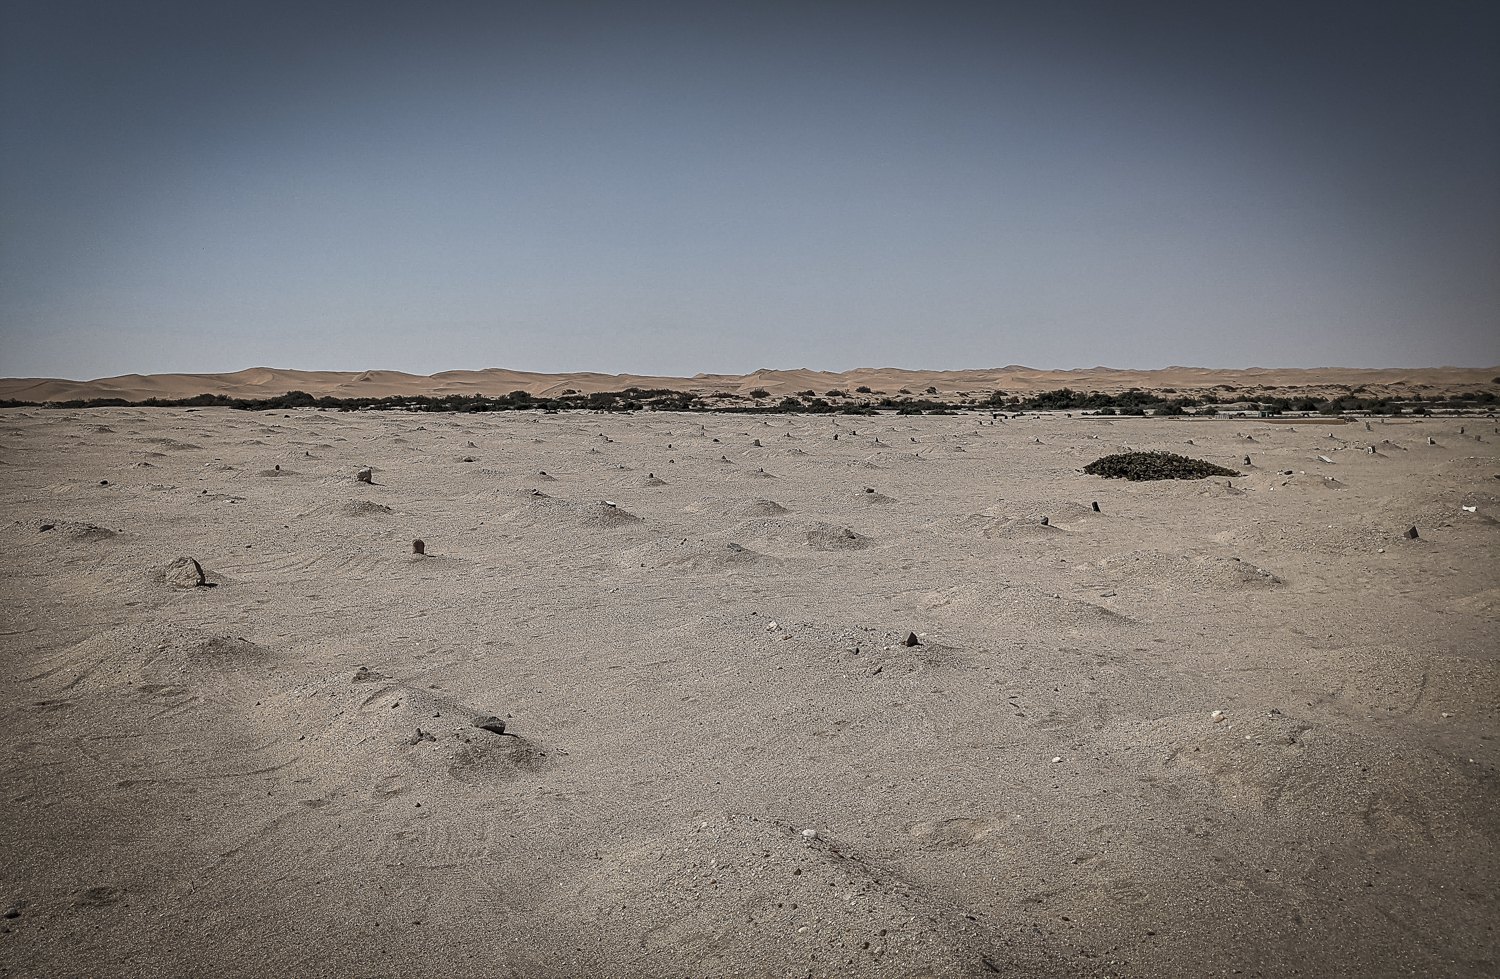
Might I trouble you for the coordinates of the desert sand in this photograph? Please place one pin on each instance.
(1219, 727)
(262, 382)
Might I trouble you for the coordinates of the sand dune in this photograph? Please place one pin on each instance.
(773, 703)
(259, 382)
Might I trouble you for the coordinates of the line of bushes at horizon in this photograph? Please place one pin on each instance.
(1132, 402)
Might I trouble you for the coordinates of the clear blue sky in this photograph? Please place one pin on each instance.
(673, 188)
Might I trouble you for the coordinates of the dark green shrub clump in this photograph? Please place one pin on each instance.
(1154, 465)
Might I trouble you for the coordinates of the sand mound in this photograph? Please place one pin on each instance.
(703, 557)
(773, 533)
(607, 515)
(539, 508)
(754, 508)
(1018, 527)
(829, 537)
(893, 658)
(1021, 608)
(743, 896)
(1278, 763)
(74, 531)
(1174, 570)
(363, 508)
(167, 443)
(392, 727)
(955, 831)
(145, 658)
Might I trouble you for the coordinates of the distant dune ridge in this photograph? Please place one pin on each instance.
(260, 382)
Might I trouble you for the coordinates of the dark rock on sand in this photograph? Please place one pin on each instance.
(184, 573)
(490, 723)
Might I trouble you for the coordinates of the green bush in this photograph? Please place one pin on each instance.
(1138, 466)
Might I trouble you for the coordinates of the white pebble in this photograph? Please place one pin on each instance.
(809, 834)
(1056, 759)
(1217, 715)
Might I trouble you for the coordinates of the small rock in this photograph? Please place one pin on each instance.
(365, 475)
(1045, 521)
(809, 834)
(1096, 506)
(1056, 759)
(490, 723)
(418, 547)
(185, 573)
(911, 640)
(1411, 533)
(1218, 716)
(772, 626)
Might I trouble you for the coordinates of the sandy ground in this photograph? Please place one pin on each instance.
(281, 776)
(264, 382)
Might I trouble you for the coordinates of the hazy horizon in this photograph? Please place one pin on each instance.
(671, 189)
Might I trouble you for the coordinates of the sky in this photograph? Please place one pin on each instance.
(673, 188)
